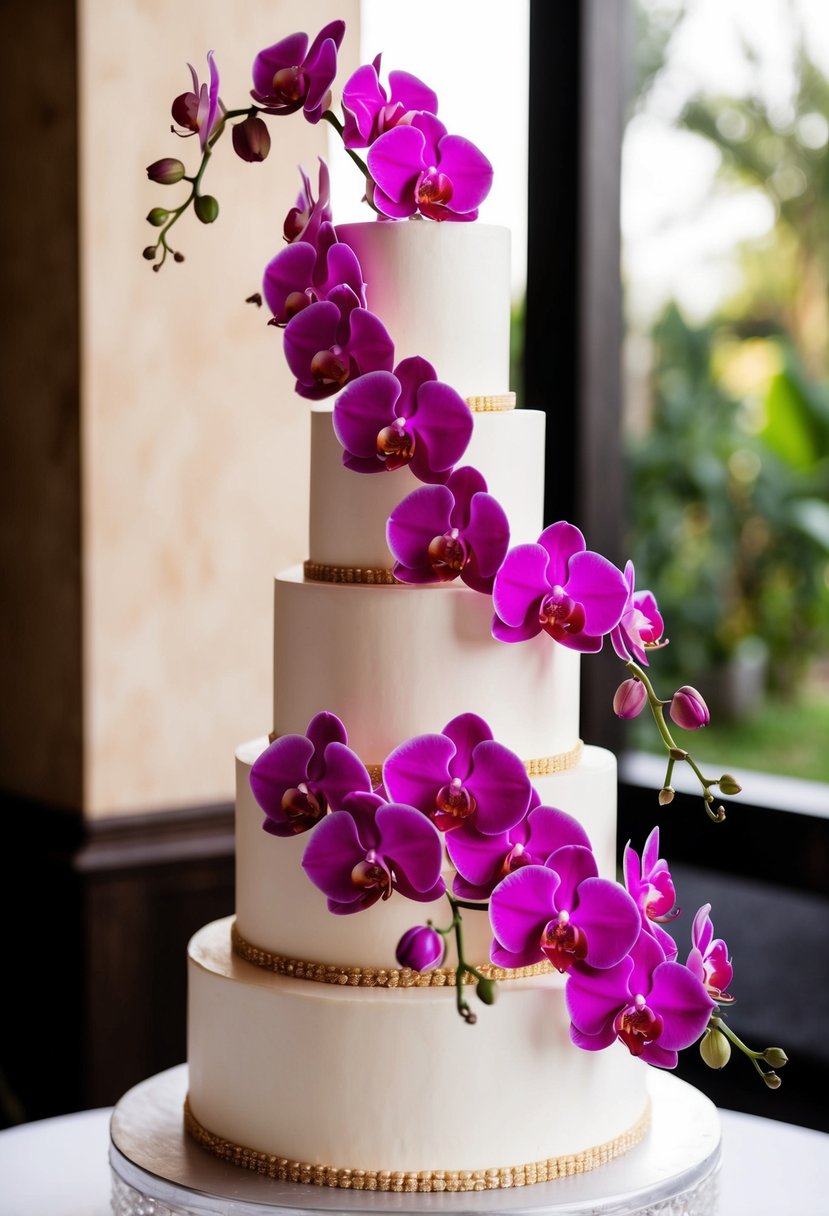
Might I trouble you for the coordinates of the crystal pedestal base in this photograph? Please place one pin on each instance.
(157, 1170)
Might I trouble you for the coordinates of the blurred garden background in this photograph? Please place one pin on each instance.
(726, 271)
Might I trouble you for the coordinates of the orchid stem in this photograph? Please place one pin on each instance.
(674, 751)
(463, 967)
(331, 117)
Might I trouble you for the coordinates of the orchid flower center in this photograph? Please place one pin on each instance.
(303, 807)
(288, 85)
(372, 874)
(637, 1025)
(559, 614)
(294, 303)
(329, 367)
(434, 189)
(563, 943)
(395, 445)
(453, 804)
(515, 859)
(448, 555)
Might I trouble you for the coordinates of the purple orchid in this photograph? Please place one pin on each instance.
(418, 167)
(386, 421)
(562, 912)
(688, 708)
(641, 626)
(558, 585)
(651, 887)
(291, 75)
(302, 223)
(438, 533)
(482, 861)
(630, 699)
(305, 272)
(370, 111)
(708, 959)
(421, 948)
(459, 775)
(655, 1006)
(333, 341)
(199, 112)
(299, 778)
(369, 849)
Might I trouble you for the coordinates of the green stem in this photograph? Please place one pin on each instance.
(331, 117)
(674, 751)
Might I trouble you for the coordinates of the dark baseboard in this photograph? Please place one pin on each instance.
(99, 914)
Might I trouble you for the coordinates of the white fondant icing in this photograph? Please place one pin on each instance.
(443, 292)
(349, 510)
(394, 1079)
(397, 661)
(279, 909)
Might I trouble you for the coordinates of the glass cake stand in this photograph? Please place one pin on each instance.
(157, 1170)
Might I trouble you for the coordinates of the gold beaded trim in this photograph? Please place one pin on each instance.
(543, 766)
(370, 977)
(370, 577)
(494, 404)
(283, 1169)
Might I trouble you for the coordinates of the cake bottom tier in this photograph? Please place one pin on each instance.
(383, 1081)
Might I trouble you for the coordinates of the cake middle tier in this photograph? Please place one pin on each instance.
(349, 511)
(397, 661)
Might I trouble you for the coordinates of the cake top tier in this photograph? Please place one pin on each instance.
(443, 292)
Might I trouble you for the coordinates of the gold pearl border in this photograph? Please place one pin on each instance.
(491, 404)
(347, 976)
(368, 576)
(283, 1169)
(543, 766)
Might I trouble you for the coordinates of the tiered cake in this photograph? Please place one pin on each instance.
(312, 1054)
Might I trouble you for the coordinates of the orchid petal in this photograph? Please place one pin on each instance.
(573, 863)
(487, 534)
(476, 856)
(468, 169)
(412, 845)
(561, 541)
(444, 427)
(363, 409)
(411, 93)
(466, 731)
(290, 271)
(312, 330)
(594, 996)
(498, 779)
(345, 774)
(369, 343)
(416, 770)
(415, 522)
(681, 1000)
(520, 584)
(551, 829)
(610, 920)
(395, 162)
(600, 587)
(520, 907)
(332, 852)
(280, 767)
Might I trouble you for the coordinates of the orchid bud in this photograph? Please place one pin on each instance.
(487, 991)
(715, 1049)
(629, 699)
(206, 208)
(729, 784)
(772, 1080)
(166, 171)
(666, 795)
(149, 252)
(420, 948)
(158, 216)
(251, 139)
(775, 1056)
(688, 709)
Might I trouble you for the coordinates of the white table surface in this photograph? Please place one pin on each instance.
(59, 1167)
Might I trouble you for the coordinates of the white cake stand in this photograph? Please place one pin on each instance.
(157, 1170)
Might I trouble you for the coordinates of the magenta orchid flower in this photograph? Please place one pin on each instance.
(561, 912)
(709, 959)
(200, 111)
(651, 887)
(422, 948)
(482, 861)
(291, 75)
(656, 1007)
(333, 341)
(640, 627)
(418, 167)
(386, 421)
(371, 848)
(688, 708)
(305, 272)
(440, 532)
(460, 775)
(370, 111)
(302, 223)
(561, 587)
(299, 778)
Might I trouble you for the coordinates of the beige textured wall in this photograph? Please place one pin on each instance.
(194, 444)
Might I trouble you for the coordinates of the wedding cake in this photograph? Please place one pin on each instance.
(422, 830)
(306, 1041)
